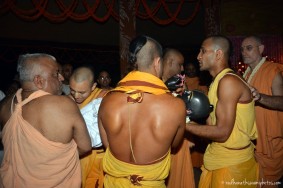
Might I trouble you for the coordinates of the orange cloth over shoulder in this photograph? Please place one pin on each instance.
(140, 81)
(30, 160)
(269, 152)
(94, 94)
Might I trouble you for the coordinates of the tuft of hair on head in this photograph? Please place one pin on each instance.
(135, 46)
(142, 51)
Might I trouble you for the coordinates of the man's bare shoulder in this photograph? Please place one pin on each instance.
(232, 81)
(173, 102)
(120, 96)
(234, 87)
(60, 102)
(114, 97)
(59, 98)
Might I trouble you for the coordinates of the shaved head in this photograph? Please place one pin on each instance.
(223, 43)
(82, 84)
(83, 73)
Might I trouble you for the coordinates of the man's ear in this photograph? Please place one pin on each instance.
(38, 81)
(93, 86)
(261, 48)
(219, 54)
(158, 66)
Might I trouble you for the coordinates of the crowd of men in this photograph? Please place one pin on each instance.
(67, 128)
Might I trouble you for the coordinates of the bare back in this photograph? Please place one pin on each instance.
(57, 118)
(148, 128)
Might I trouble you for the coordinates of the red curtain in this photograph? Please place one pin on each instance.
(101, 10)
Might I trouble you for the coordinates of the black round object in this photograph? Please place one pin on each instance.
(175, 82)
(197, 104)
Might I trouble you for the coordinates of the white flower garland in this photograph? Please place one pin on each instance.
(253, 71)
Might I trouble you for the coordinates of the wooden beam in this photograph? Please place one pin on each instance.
(127, 27)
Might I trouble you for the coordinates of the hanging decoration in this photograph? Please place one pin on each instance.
(99, 10)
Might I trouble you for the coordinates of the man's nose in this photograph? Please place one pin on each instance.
(61, 78)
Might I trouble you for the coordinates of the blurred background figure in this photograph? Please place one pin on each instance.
(67, 70)
(13, 87)
(2, 95)
(193, 80)
(104, 80)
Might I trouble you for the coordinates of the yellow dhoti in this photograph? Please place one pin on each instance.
(241, 175)
(121, 174)
(92, 171)
(91, 165)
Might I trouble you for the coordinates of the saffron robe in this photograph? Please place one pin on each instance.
(120, 174)
(31, 160)
(141, 81)
(92, 171)
(269, 152)
(237, 152)
(181, 172)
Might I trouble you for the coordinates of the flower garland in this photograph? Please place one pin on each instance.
(253, 71)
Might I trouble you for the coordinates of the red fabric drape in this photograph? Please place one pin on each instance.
(60, 11)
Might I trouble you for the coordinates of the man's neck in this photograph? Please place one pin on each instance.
(164, 78)
(253, 65)
(216, 71)
(27, 92)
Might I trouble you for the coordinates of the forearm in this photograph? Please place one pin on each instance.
(207, 131)
(272, 102)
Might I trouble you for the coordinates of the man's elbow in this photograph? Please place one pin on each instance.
(222, 138)
(85, 150)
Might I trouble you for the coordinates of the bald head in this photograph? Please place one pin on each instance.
(82, 74)
(170, 54)
(173, 61)
(223, 43)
